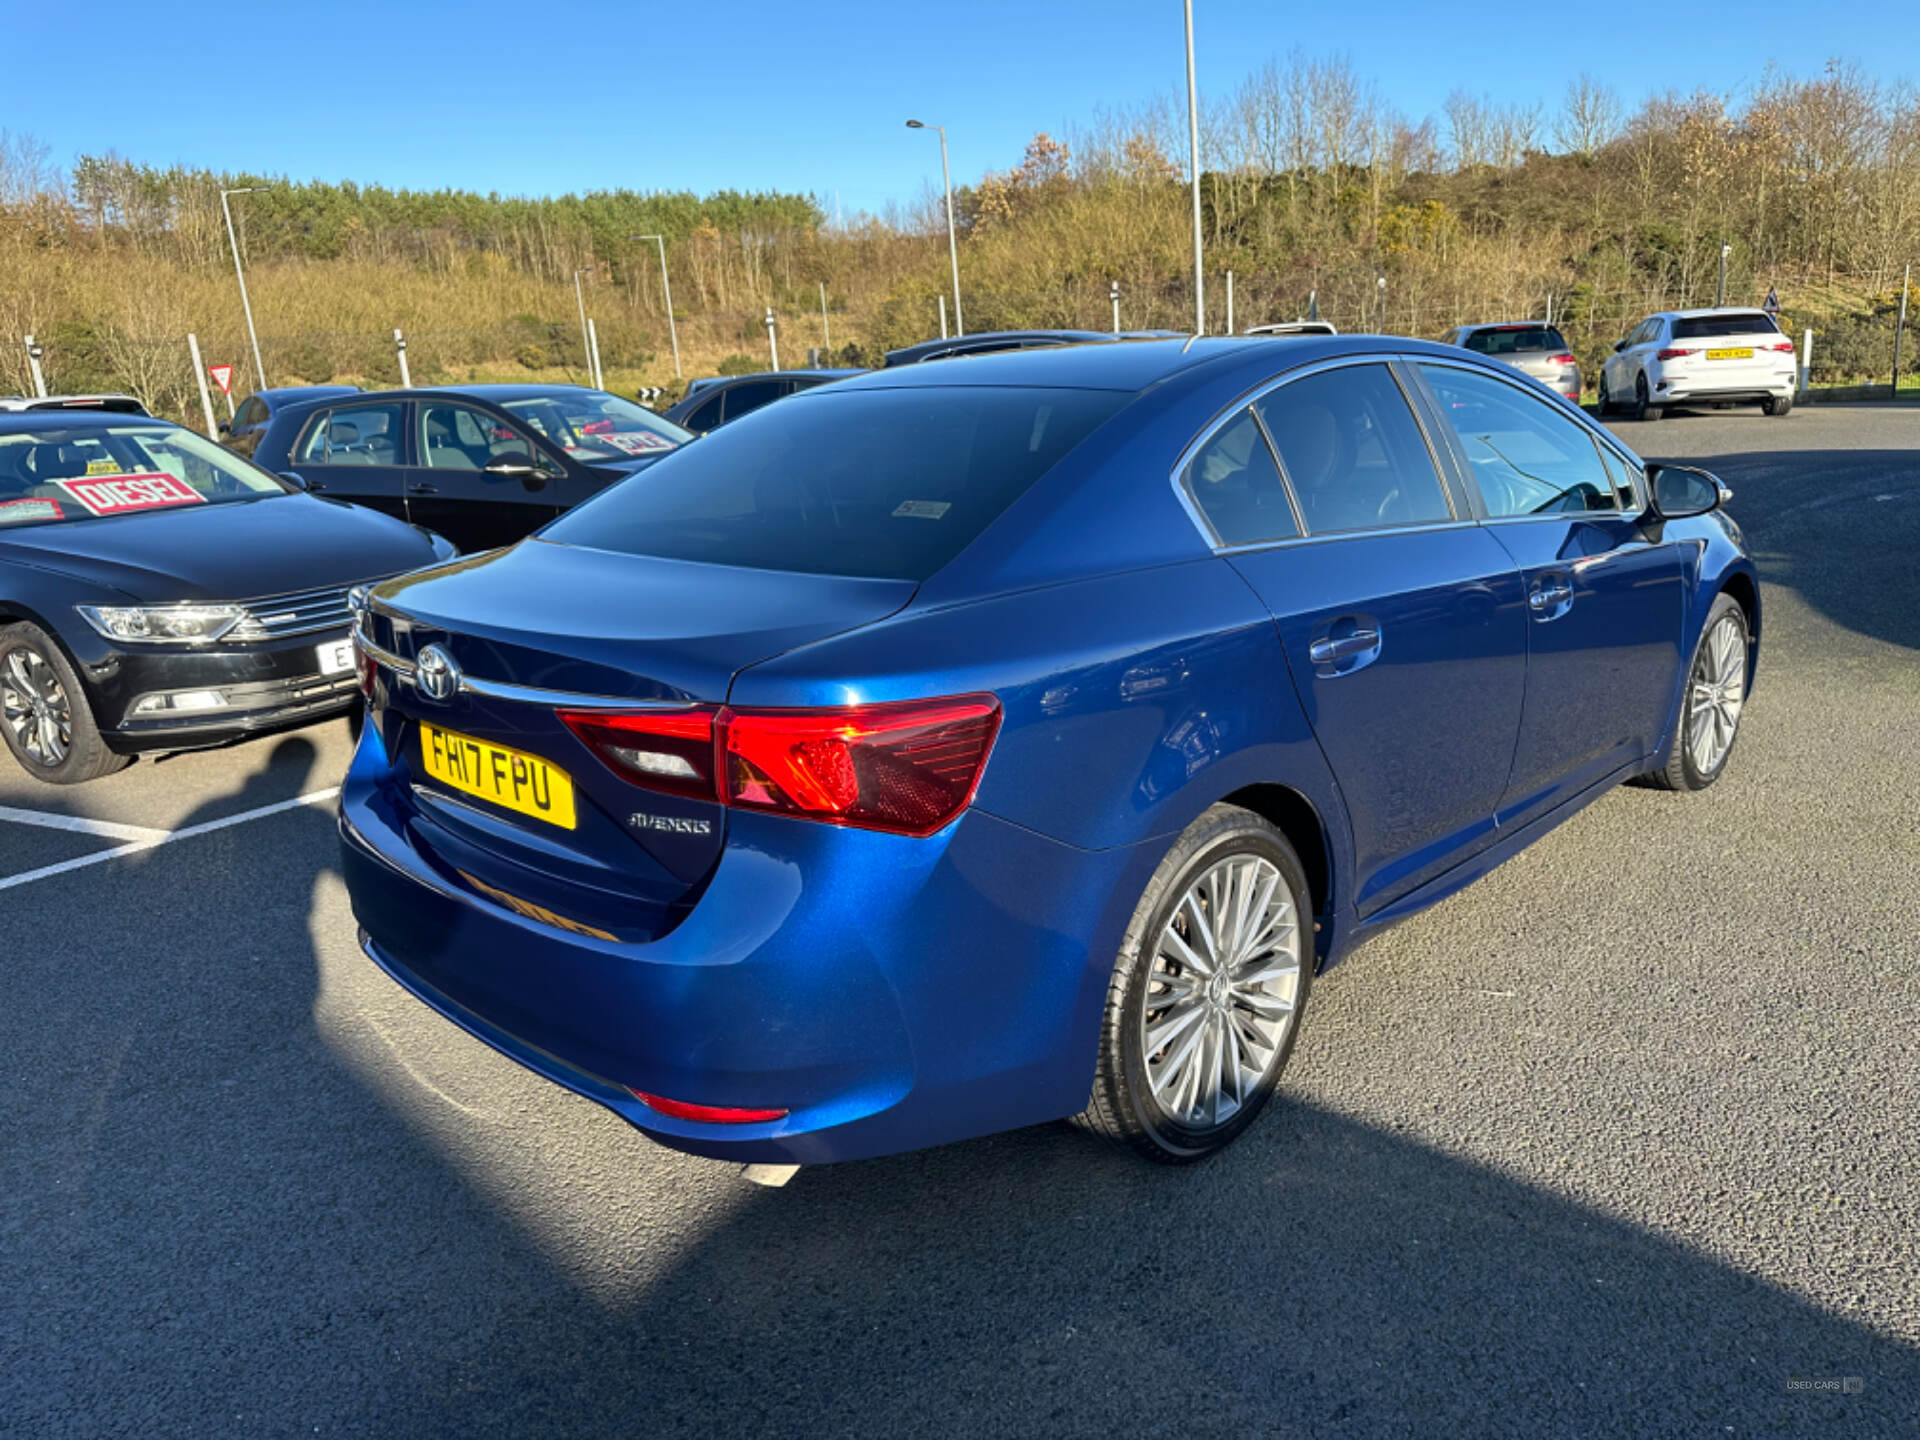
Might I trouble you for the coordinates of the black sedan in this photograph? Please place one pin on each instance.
(158, 592)
(709, 404)
(484, 465)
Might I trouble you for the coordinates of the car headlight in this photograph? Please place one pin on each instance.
(162, 624)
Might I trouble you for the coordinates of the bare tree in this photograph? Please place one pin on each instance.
(1590, 117)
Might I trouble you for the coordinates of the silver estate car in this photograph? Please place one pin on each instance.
(1527, 345)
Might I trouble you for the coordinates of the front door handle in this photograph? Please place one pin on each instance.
(421, 487)
(1551, 599)
(1326, 652)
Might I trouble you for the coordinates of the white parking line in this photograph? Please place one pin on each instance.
(107, 829)
(150, 839)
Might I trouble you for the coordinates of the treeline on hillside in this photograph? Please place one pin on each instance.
(1316, 190)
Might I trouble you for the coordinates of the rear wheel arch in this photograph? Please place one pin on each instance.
(1295, 817)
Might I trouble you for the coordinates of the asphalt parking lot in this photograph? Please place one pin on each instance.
(1621, 1140)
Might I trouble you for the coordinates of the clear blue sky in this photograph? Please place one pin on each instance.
(585, 94)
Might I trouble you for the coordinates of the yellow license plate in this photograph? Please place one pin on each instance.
(522, 783)
(1744, 353)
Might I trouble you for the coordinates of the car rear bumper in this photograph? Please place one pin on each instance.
(887, 992)
(1680, 392)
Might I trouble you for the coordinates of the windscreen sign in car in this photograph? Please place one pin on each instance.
(119, 494)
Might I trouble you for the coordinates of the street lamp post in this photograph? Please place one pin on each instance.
(1720, 290)
(1193, 159)
(259, 370)
(666, 290)
(953, 242)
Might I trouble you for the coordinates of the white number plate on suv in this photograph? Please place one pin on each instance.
(336, 657)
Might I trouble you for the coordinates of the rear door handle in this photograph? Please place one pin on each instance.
(1325, 652)
(421, 487)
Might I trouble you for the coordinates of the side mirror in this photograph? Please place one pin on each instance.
(295, 479)
(1618, 346)
(226, 427)
(1682, 491)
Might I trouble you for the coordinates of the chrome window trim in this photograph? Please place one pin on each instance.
(1599, 433)
(1249, 398)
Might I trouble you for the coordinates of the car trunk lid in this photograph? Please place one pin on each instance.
(502, 793)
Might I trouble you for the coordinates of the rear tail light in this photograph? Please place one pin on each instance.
(1561, 360)
(707, 1114)
(907, 767)
(671, 751)
(1784, 347)
(1675, 354)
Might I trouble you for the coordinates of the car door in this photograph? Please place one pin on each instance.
(356, 453)
(1402, 620)
(1604, 591)
(450, 490)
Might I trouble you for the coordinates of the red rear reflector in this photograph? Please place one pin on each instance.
(669, 750)
(1675, 354)
(706, 1114)
(908, 767)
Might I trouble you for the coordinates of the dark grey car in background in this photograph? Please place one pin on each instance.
(709, 404)
(1529, 346)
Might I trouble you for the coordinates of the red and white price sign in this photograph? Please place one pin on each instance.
(117, 494)
(223, 377)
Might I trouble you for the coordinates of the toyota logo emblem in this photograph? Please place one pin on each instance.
(438, 676)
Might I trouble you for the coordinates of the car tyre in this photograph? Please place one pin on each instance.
(1777, 405)
(1230, 887)
(44, 714)
(1602, 402)
(1644, 408)
(1712, 703)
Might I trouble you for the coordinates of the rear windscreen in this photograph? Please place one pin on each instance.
(883, 483)
(1696, 327)
(1509, 342)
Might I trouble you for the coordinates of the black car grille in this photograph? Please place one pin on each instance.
(305, 613)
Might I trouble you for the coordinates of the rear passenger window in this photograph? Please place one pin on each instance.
(1526, 457)
(353, 435)
(1353, 452)
(1237, 486)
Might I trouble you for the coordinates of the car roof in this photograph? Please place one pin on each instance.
(493, 393)
(1712, 310)
(712, 381)
(1132, 365)
(1510, 325)
(77, 402)
(12, 421)
(304, 392)
(910, 354)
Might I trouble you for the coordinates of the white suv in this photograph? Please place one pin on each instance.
(1700, 357)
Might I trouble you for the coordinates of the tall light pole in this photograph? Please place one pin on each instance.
(259, 370)
(586, 345)
(1193, 159)
(666, 290)
(953, 242)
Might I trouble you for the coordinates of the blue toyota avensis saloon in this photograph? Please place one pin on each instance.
(965, 746)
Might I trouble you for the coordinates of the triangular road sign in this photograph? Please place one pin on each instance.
(223, 377)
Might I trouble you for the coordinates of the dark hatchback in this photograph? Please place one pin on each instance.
(483, 465)
(157, 592)
(256, 412)
(709, 404)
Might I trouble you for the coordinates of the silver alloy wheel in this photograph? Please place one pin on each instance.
(35, 707)
(1715, 694)
(1223, 993)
